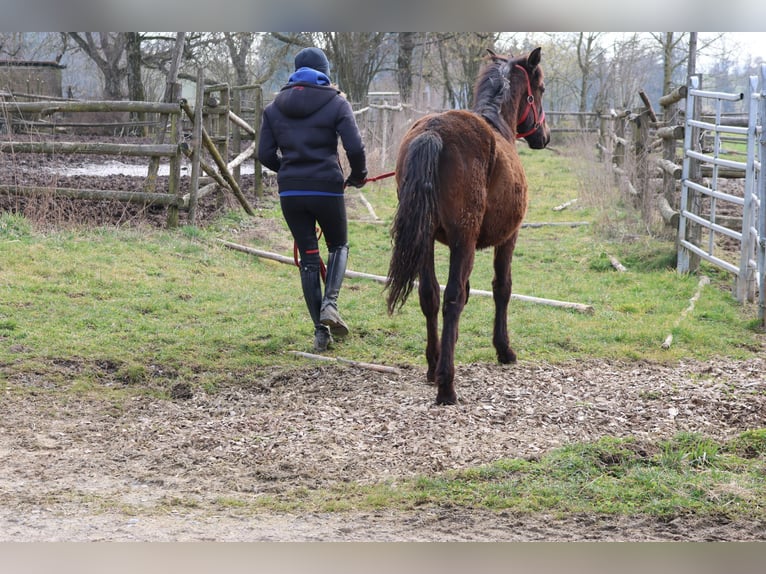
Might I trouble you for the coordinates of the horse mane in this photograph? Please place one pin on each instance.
(490, 94)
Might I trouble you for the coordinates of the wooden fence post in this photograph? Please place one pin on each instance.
(257, 172)
(641, 151)
(174, 177)
(236, 137)
(619, 141)
(196, 147)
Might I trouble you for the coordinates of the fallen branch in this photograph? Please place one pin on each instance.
(360, 364)
(704, 280)
(555, 224)
(563, 206)
(383, 280)
(616, 264)
(368, 205)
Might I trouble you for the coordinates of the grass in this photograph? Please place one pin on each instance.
(688, 474)
(133, 304)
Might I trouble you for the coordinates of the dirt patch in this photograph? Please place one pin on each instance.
(82, 468)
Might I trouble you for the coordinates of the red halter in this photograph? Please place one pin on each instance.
(538, 117)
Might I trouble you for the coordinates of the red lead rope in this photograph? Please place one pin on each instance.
(382, 176)
(322, 267)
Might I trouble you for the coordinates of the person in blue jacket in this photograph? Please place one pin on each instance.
(299, 141)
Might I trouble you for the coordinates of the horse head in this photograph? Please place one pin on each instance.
(525, 99)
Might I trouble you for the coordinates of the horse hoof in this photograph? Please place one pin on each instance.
(507, 358)
(446, 399)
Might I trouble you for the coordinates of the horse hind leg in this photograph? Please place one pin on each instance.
(428, 291)
(501, 293)
(455, 297)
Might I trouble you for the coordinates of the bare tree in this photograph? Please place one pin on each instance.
(460, 58)
(133, 53)
(107, 50)
(239, 45)
(11, 44)
(674, 55)
(355, 57)
(588, 51)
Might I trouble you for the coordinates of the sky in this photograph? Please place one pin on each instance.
(753, 42)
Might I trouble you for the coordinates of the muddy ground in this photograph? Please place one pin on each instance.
(82, 468)
(183, 469)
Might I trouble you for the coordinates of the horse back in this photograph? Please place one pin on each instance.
(483, 189)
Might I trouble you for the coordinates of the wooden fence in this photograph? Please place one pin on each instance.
(229, 126)
(211, 134)
(644, 150)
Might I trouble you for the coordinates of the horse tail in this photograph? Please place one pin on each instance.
(413, 226)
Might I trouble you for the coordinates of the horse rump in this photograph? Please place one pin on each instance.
(412, 229)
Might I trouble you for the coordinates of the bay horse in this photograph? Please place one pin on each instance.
(460, 181)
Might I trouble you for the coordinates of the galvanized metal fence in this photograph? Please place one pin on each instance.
(699, 229)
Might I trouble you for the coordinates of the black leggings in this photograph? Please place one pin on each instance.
(304, 213)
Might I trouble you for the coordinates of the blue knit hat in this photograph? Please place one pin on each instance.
(312, 58)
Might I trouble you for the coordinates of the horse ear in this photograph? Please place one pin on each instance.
(533, 60)
(491, 53)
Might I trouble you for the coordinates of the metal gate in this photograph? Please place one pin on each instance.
(699, 227)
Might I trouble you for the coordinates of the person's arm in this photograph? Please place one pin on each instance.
(353, 145)
(267, 146)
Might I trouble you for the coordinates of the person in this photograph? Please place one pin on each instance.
(299, 141)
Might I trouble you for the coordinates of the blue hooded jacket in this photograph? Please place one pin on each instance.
(299, 136)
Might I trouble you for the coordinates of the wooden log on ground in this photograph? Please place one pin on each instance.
(616, 264)
(368, 205)
(582, 308)
(360, 364)
(564, 205)
(206, 190)
(704, 280)
(536, 225)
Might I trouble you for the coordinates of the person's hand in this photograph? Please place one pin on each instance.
(355, 181)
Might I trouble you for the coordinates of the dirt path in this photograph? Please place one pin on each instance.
(81, 468)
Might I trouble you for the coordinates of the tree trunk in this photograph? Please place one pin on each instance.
(107, 54)
(136, 91)
(404, 65)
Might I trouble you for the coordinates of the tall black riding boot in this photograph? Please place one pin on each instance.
(336, 269)
(312, 292)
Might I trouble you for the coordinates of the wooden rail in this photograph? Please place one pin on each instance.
(20, 113)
